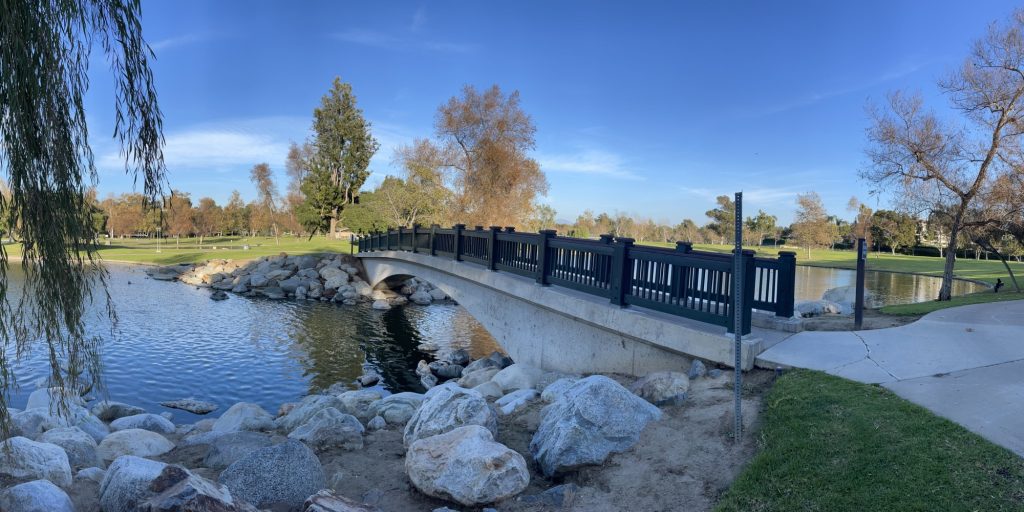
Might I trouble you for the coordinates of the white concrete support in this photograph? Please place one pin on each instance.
(561, 329)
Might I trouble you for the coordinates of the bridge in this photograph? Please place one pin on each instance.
(579, 305)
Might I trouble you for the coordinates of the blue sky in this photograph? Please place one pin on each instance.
(648, 108)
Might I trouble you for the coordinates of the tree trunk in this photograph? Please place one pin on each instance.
(946, 291)
(334, 224)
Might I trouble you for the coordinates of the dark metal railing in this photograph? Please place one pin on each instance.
(681, 282)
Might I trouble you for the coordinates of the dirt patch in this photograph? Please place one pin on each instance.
(873, 319)
(683, 462)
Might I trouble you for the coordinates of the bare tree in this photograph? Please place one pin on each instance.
(943, 165)
(265, 215)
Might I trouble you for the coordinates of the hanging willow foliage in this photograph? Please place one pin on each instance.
(45, 156)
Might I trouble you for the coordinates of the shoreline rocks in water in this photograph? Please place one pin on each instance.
(330, 278)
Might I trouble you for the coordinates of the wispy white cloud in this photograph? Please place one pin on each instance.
(813, 98)
(171, 42)
(589, 161)
(392, 42)
(419, 18)
(223, 146)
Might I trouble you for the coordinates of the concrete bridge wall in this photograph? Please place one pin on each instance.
(561, 329)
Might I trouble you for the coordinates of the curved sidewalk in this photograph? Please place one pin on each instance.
(965, 364)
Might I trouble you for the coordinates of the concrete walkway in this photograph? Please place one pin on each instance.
(965, 364)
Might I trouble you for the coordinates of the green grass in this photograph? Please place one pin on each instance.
(829, 444)
(979, 270)
(922, 308)
(188, 250)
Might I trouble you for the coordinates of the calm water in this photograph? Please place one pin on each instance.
(886, 287)
(174, 342)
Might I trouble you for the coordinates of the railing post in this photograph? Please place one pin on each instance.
(786, 288)
(415, 239)
(684, 247)
(620, 270)
(510, 229)
(458, 240)
(400, 246)
(543, 265)
(433, 236)
(388, 235)
(492, 248)
(607, 239)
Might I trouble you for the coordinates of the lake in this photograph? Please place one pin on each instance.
(174, 342)
(886, 287)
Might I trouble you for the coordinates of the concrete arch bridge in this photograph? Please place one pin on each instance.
(577, 305)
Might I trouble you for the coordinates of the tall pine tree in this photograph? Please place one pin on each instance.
(338, 164)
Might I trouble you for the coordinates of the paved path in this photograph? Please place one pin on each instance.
(965, 364)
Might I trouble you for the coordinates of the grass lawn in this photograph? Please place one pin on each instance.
(922, 308)
(829, 444)
(188, 250)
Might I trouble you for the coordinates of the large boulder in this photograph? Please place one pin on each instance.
(225, 449)
(45, 397)
(244, 416)
(845, 298)
(472, 379)
(291, 284)
(283, 475)
(448, 408)
(30, 423)
(812, 308)
(397, 409)
(423, 298)
(663, 388)
(133, 441)
(125, 486)
(309, 406)
(35, 496)
(328, 273)
(79, 446)
(555, 390)
(24, 459)
(465, 465)
(110, 411)
(258, 280)
(515, 401)
(591, 420)
(357, 403)
(177, 489)
(330, 428)
(484, 363)
(518, 376)
(146, 421)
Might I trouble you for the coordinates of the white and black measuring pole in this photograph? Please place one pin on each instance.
(737, 317)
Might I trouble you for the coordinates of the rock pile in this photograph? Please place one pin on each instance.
(333, 278)
(117, 457)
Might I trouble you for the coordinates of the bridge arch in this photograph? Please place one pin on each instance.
(561, 329)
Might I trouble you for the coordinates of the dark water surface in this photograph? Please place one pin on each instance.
(886, 288)
(174, 342)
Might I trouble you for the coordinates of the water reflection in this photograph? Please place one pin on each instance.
(174, 342)
(886, 287)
